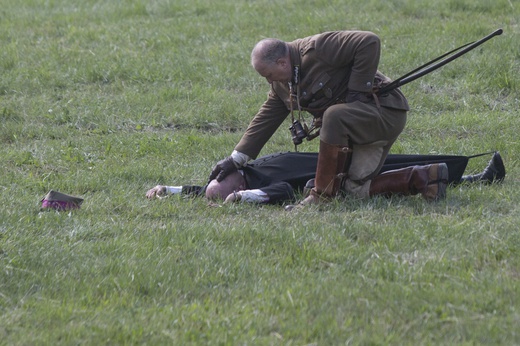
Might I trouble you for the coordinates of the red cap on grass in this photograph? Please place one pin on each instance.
(60, 201)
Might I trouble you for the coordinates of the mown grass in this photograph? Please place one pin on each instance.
(106, 99)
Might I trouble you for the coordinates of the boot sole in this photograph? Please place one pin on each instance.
(500, 169)
(440, 182)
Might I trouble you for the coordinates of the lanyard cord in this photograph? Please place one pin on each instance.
(296, 79)
(297, 101)
(291, 101)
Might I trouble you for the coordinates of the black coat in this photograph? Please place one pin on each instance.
(280, 174)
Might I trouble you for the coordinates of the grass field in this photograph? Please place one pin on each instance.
(105, 99)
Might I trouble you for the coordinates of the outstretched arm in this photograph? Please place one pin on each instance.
(273, 194)
(161, 191)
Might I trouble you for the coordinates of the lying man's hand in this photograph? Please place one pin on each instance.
(233, 197)
(158, 191)
(223, 168)
(248, 196)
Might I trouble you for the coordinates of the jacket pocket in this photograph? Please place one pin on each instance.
(319, 83)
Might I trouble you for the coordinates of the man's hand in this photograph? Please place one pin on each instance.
(248, 196)
(158, 191)
(233, 197)
(223, 168)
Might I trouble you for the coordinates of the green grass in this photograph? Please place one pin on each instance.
(107, 99)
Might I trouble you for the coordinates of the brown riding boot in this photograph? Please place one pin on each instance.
(430, 181)
(329, 171)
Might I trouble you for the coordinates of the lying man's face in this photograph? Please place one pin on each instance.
(232, 183)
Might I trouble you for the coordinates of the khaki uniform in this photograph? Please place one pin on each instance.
(326, 67)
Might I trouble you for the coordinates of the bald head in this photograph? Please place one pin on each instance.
(220, 190)
(268, 51)
(271, 59)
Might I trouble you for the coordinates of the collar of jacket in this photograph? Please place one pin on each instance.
(296, 60)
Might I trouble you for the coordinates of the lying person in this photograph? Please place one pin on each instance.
(274, 178)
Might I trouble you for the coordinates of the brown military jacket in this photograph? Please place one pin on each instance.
(325, 67)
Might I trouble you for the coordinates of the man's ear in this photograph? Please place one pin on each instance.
(282, 62)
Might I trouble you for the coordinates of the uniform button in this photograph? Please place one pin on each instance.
(321, 84)
(304, 93)
(369, 84)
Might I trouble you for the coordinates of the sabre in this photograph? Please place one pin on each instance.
(426, 68)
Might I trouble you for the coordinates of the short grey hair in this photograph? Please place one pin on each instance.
(269, 50)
